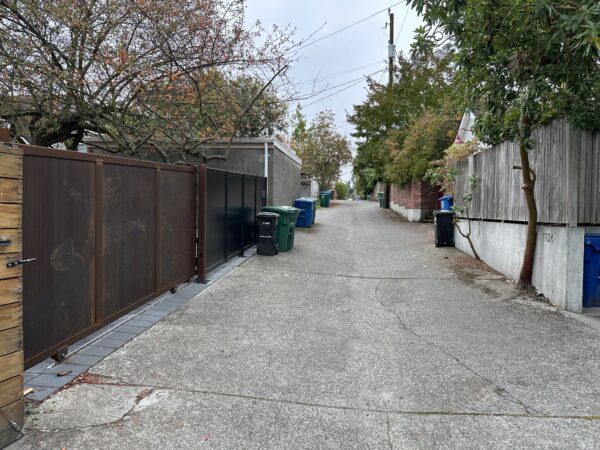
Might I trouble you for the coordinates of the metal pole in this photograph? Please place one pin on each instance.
(391, 50)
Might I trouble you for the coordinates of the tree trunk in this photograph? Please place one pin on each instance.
(528, 185)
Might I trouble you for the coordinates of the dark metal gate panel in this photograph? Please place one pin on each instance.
(216, 206)
(250, 210)
(235, 214)
(177, 193)
(58, 230)
(128, 262)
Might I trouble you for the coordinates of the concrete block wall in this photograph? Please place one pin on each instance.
(558, 267)
(415, 201)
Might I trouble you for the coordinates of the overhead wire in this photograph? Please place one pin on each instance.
(362, 77)
(346, 27)
(333, 75)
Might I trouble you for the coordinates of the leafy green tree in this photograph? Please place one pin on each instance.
(323, 150)
(298, 127)
(521, 63)
(341, 190)
(413, 150)
(422, 81)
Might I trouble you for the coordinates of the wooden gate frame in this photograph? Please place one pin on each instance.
(11, 306)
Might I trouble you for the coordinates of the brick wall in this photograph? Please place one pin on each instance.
(416, 195)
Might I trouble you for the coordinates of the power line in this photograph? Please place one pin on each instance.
(345, 28)
(402, 25)
(344, 83)
(336, 74)
(335, 93)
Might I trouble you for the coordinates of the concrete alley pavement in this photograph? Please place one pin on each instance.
(364, 336)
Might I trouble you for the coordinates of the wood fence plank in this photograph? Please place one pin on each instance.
(15, 238)
(10, 215)
(12, 272)
(16, 412)
(11, 163)
(10, 190)
(11, 365)
(11, 390)
(11, 315)
(10, 291)
(11, 340)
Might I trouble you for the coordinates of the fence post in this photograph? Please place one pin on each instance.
(572, 170)
(201, 193)
(11, 304)
(157, 244)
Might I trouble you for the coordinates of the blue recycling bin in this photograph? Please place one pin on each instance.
(591, 271)
(307, 207)
(446, 202)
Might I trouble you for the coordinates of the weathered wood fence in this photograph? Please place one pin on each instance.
(11, 305)
(567, 164)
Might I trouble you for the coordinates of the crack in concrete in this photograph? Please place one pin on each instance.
(356, 277)
(138, 398)
(389, 432)
(500, 391)
(355, 408)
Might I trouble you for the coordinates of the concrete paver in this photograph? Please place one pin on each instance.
(364, 336)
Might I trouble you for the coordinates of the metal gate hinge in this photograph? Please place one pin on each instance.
(19, 262)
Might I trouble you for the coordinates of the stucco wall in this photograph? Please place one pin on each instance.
(558, 267)
(285, 186)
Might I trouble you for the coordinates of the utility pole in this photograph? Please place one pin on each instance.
(391, 49)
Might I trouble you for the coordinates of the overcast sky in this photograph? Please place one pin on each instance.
(361, 45)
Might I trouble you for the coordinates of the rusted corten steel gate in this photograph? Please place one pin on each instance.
(109, 234)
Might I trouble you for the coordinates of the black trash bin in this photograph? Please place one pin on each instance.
(444, 228)
(267, 233)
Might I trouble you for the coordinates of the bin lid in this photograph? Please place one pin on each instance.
(304, 201)
(267, 215)
(308, 199)
(447, 197)
(593, 240)
(442, 212)
(281, 209)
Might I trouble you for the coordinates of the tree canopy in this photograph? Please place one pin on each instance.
(135, 71)
(323, 150)
(520, 63)
(422, 82)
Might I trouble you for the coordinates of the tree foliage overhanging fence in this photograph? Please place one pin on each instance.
(566, 162)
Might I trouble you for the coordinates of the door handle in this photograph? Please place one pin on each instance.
(19, 262)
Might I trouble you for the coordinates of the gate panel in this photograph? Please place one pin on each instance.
(58, 230)
(249, 210)
(177, 225)
(128, 237)
(216, 184)
(235, 214)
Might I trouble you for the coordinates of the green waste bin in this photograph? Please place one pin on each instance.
(324, 199)
(381, 199)
(286, 225)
